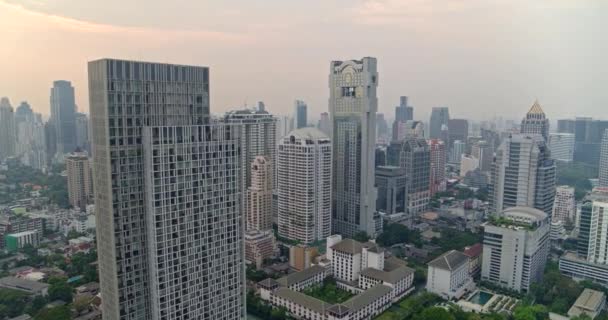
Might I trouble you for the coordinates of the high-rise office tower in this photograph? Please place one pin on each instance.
(135, 229)
(352, 107)
(7, 129)
(23, 113)
(593, 229)
(438, 159)
(414, 155)
(564, 208)
(458, 129)
(536, 122)
(515, 248)
(324, 124)
(82, 131)
(484, 152)
(304, 185)
(261, 106)
(523, 175)
(63, 115)
(381, 127)
(300, 114)
(458, 149)
(566, 126)
(193, 218)
(391, 182)
(562, 146)
(259, 195)
(79, 180)
(603, 167)
(30, 146)
(50, 142)
(403, 114)
(440, 116)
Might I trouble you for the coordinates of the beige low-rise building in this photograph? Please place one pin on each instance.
(590, 303)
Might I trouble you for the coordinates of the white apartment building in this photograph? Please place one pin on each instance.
(515, 248)
(259, 245)
(448, 275)
(562, 146)
(564, 207)
(350, 257)
(603, 165)
(259, 195)
(304, 177)
(80, 185)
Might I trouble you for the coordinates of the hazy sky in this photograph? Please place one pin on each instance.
(478, 57)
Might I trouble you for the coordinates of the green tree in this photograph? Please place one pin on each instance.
(361, 236)
(59, 289)
(56, 313)
(435, 313)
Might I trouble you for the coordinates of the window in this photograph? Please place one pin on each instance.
(348, 91)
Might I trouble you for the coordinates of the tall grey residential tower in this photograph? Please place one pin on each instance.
(63, 115)
(352, 107)
(440, 116)
(155, 160)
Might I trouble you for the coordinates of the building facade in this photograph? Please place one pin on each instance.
(80, 184)
(440, 116)
(413, 154)
(603, 167)
(63, 115)
(195, 231)
(484, 152)
(562, 146)
(515, 248)
(448, 275)
(458, 149)
(259, 195)
(158, 95)
(391, 183)
(438, 156)
(564, 207)
(304, 185)
(523, 175)
(7, 129)
(300, 114)
(352, 106)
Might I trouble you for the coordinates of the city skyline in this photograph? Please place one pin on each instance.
(441, 63)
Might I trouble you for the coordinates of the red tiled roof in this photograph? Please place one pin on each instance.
(474, 250)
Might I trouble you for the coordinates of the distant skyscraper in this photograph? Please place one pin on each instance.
(63, 115)
(536, 122)
(484, 152)
(304, 185)
(324, 124)
(284, 126)
(7, 129)
(566, 126)
(259, 195)
(50, 142)
(30, 147)
(414, 155)
(352, 106)
(564, 205)
(403, 112)
(381, 128)
(440, 116)
(154, 198)
(515, 249)
(458, 129)
(261, 106)
(391, 182)
(562, 146)
(23, 113)
(523, 175)
(438, 159)
(300, 114)
(603, 168)
(79, 180)
(82, 131)
(458, 149)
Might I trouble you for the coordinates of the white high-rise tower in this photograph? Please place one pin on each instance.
(352, 107)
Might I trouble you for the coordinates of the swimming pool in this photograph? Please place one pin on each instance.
(481, 298)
